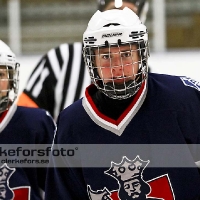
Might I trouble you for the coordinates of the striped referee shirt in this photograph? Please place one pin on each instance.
(59, 79)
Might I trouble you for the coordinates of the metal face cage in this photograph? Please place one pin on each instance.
(9, 85)
(118, 70)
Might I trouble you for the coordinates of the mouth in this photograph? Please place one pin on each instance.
(120, 79)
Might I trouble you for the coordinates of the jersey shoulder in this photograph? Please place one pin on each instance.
(72, 111)
(175, 82)
(174, 90)
(29, 111)
(35, 116)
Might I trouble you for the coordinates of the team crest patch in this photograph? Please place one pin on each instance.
(7, 193)
(190, 82)
(129, 175)
(5, 174)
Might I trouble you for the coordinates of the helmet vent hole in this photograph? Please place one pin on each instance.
(111, 24)
(106, 43)
(119, 42)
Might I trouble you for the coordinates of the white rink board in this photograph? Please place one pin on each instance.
(174, 63)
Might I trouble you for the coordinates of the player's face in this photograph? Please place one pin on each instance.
(118, 64)
(111, 5)
(4, 83)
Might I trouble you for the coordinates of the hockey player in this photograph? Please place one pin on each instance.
(19, 127)
(133, 128)
(60, 77)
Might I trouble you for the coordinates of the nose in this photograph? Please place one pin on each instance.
(116, 60)
(116, 65)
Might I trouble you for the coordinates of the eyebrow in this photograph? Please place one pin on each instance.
(121, 50)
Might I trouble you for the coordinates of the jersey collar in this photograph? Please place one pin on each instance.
(115, 126)
(9, 114)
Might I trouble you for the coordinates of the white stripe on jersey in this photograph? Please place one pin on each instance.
(38, 86)
(64, 48)
(8, 117)
(73, 82)
(54, 62)
(35, 76)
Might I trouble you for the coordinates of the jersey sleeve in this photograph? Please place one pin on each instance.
(189, 123)
(44, 136)
(67, 181)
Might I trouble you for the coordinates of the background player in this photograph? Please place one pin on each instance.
(140, 123)
(60, 77)
(20, 126)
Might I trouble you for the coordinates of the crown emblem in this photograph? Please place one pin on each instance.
(127, 169)
(5, 173)
(99, 194)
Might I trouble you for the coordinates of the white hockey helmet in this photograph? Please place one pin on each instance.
(141, 5)
(114, 28)
(10, 67)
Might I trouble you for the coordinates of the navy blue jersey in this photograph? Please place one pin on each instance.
(24, 126)
(164, 113)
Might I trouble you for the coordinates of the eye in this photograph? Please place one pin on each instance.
(126, 54)
(2, 74)
(105, 56)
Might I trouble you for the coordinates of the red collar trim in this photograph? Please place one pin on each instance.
(91, 88)
(2, 115)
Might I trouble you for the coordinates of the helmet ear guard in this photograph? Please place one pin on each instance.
(116, 29)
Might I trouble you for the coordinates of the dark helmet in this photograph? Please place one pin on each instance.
(142, 5)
